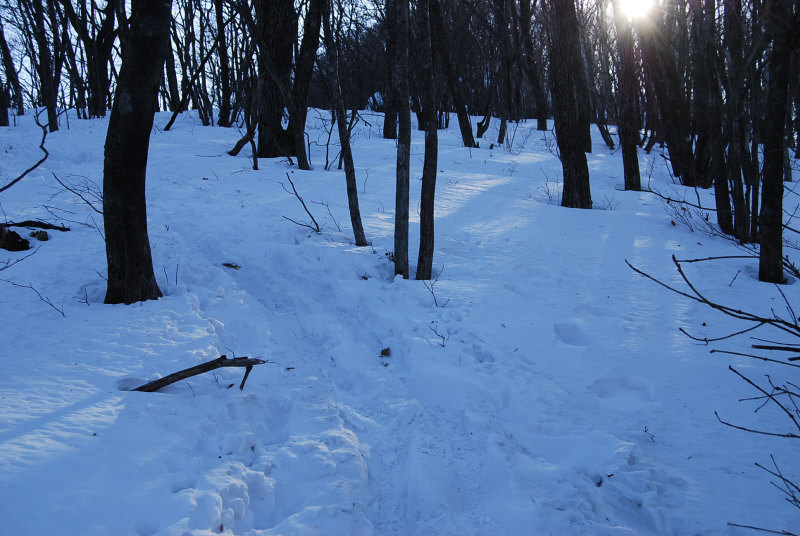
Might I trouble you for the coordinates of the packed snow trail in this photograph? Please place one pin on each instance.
(537, 386)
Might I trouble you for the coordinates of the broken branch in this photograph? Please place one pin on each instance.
(222, 361)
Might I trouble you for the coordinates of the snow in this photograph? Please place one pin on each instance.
(537, 386)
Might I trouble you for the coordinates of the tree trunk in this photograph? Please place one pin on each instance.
(658, 57)
(172, 83)
(11, 73)
(530, 66)
(390, 96)
(277, 29)
(565, 65)
(344, 133)
(464, 124)
(224, 119)
(305, 66)
(98, 44)
(779, 28)
(44, 67)
(130, 265)
(426, 213)
(735, 118)
(627, 101)
(400, 82)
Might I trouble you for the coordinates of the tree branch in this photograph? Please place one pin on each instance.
(37, 164)
(214, 364)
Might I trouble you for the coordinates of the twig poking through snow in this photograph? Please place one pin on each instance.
(45, 299)
(315, 227)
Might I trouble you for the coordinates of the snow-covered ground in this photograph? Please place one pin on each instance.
(538, 386)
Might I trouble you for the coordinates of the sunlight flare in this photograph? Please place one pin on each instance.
(635, 8)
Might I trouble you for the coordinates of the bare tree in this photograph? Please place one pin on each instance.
(400, 82)
(341, 122)
(781, 24)
(97, 38)
(426, 213)
(11, 73)
(130, 265)
(627, 100)
(565, 66)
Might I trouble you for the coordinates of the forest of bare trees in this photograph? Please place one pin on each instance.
(714, 82)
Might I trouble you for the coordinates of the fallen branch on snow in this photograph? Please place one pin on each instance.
(214, 364)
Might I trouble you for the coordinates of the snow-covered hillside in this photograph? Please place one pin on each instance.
(537, 386)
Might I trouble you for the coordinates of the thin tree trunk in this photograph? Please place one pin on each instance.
(426, 214)
(627, 101)
(400, 81)
(390, 98)
(304, 68)
(659, 62)
(531, 67)
(49, 90)
(464, 124)
(344, 133)
(224, 119)
(130, 265)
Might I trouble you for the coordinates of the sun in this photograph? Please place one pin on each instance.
(635, 8)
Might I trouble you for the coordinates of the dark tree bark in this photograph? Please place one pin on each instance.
(44, 66)
(224, 119)
(173, 92)
(344, 133)
(779, 28)
(98, 43)
(130, 265)
(734, 117)
(400, 82)
(390, 96)
(627, 100)
(658, 55)
(530, 66)
(277, 34)
(11, 73)
(426, 213)
(453, 84)
(305, 65)
(565, 65)
(710, 155)
(502, 68)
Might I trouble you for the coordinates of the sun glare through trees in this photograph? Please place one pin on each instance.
(635, 8)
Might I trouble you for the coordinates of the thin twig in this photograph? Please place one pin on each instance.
(74, 191)
(315, 228)
(770, 395)
(759, 529)
(761, 358)
(751, 430)
(707, 340)
(45, 299)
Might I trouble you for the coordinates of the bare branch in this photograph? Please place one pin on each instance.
(315, 227)
(37, 164)
(44, 299)
(761, 432)
(219, 362)
(71, 189)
